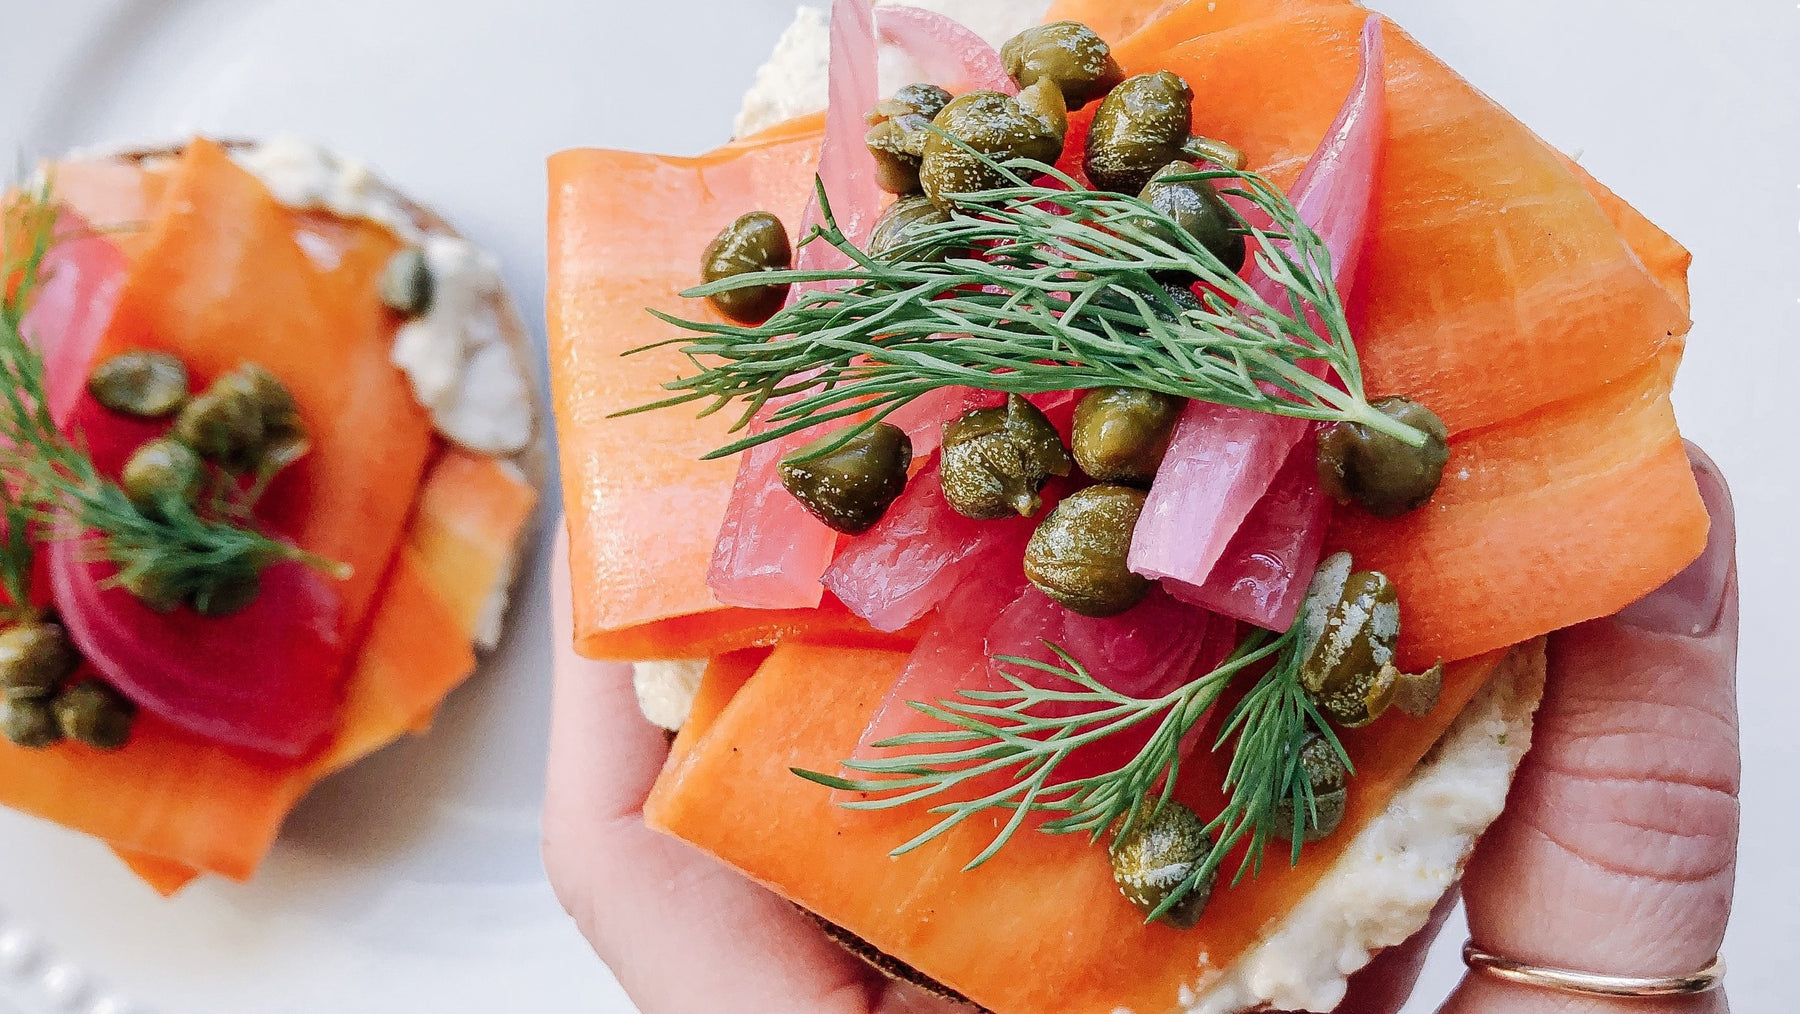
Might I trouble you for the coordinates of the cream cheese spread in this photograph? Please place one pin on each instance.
(455, 355)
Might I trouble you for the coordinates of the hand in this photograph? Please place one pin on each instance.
(1616, 852)
(682, 932)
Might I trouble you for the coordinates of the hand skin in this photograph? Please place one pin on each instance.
(1616, 853)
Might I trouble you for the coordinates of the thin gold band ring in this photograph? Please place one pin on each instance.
(1563, 980)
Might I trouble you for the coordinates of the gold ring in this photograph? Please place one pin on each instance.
(1563, 980)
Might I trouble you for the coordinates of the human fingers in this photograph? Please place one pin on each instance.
(1617, 850)
(681, 932)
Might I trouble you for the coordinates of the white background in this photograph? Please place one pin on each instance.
(413, 880)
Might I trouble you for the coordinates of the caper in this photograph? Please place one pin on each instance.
(246, 419)
(898, 146)
(989, 123)
(35, 658)
(896, 227)
(1121, 433)
(851, 487)
(1326, 773)
(229, 593)
(1045, 104)
(223, 427)
(997, 460)
(919, 98)
(257, 385)
(407, 284)
(162, 474)
(1350, 626)
(755, 242)
(93, 713)
(1184, 299)
(149, 588)
(1078, 554)
(1067, 53)
(27, 721)
(1195, 206)
(1141, 126)
(1384, 474)
(1158, 856)
(149, 385)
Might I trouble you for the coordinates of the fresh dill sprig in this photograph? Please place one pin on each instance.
(994, 732)
(56, 492)
(16, 555)
(1065, 294)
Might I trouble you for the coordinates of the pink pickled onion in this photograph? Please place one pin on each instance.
(1222, 461)
(919, 552)
(1145, 651)
(1263, 575)
(268, 678)
(950, 657)
(83, 274)
(948, 54)
(771, 552)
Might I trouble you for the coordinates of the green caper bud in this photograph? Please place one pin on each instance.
(161, 474)
(149, 588)
(1141, 126)
(898, 146)
(997, 460)
(407, 285)
(1158, 856)
(1068, 53)
(896, 227)
(27, 721)
(93, 713)
(1078, 554)
(851, 487)
(229, 593)
(755, 242)
(1184, 299)
(149, 385)
(1353, 623)
(1326, 773)
(993, 125)
(1208, 149)
(1196, 207)
(1046, 105)
(1121, 433)
(1350, 624)
(257, 385)
(223, 427)
(35, 658)
(1384, 474)
(920, 98)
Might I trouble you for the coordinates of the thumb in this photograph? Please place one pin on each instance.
(1617, 851)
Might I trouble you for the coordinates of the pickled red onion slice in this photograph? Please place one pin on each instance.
(918, 553)
(1263, 575)
(1222, 461)
(948, 54)
(82, 276)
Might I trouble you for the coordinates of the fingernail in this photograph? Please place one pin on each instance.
(1690, 605)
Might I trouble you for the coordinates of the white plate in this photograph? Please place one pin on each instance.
(412, 882)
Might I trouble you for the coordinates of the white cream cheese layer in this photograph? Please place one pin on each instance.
(1383, 889)
(456, 355)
